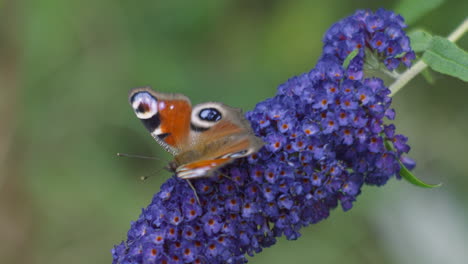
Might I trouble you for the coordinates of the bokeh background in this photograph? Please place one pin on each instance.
(65, 71)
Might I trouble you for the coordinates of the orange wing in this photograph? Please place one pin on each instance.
(166, 116)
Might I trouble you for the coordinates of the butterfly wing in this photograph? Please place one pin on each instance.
(166, 116)
(202, 139)
(219, 134)
(202, 168)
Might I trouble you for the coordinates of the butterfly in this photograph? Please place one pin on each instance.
(202, 138)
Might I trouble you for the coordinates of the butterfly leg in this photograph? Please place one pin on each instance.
(225, 176)
(229, 178)
(194, 191)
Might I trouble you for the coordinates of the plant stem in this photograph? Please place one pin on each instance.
(459, 31)
(420, 65)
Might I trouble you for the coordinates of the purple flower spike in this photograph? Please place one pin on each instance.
(380, 32)
(325, 138)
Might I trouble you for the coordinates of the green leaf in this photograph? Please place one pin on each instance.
(349, 58)
(400, 55)
(412, 10)
(446, 57)
(406, 174)
(420, 40)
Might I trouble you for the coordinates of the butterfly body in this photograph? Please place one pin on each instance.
(202, 138)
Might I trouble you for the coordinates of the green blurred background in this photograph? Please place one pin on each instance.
(66, 68)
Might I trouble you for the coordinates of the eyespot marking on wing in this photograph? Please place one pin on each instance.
(144, 105)
(210, 114)
(206, 115)
(197, 128)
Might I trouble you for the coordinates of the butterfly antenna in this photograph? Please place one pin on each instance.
(139, 156)
(145, 177)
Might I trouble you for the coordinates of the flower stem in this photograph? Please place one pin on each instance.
(420, 65)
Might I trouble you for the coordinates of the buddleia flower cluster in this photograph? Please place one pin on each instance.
(326, 134)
